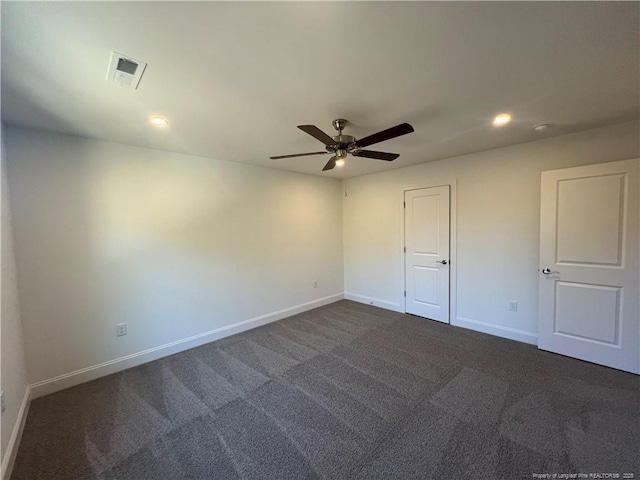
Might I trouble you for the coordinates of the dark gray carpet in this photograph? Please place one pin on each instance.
(346, 391)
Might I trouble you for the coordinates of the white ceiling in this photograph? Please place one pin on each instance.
(235, 78)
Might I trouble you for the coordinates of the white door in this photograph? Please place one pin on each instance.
(426, 226)
(589, 269)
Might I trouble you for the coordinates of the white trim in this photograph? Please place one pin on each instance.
(497, 330)
(83, 375)
(16, 435)
(376, 302)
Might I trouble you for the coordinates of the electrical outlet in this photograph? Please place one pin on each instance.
(315, 284)
(121, 329)
(513, 306)
(3, 402)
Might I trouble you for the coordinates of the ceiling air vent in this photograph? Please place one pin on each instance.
(125, 71)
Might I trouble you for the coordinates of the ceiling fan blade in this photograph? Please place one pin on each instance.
(377, 155)
(318, 134)
(297, 155)
(330, 164)
(387, 134)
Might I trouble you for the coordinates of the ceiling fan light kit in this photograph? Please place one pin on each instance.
(342, 145)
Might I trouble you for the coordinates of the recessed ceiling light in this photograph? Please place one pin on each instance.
(339, 162)
(501, 119)
(159, 121)
(541, 127)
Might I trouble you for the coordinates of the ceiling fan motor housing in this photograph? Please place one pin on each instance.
(345, 142)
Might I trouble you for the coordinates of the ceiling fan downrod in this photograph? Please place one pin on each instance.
(339, 125)
(345, 142)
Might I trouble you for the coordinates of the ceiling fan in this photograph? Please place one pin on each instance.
(341, 145)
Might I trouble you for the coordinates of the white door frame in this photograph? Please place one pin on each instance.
(453, 254)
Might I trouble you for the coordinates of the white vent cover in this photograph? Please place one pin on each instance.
(125, 71)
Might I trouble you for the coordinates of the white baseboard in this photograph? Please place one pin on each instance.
(497, 330)
(16, 434)
(374, 301)
(71, 379)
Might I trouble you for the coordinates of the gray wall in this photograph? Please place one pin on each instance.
(13, 377)
(173, 245)
(496, 218)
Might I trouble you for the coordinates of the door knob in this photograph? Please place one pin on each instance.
(548, 271)
(443, 262)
